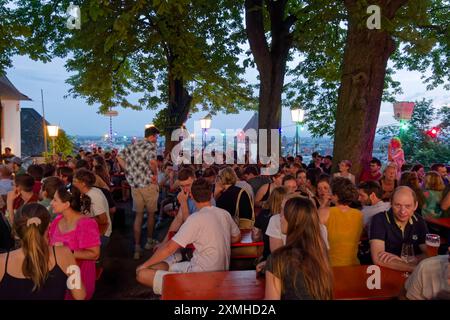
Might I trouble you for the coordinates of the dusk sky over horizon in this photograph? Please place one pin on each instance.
(76, 117)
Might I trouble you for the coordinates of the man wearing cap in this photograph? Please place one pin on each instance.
(16, 165)
(141, 170)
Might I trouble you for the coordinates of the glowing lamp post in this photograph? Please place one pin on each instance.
(53, 133)
(298, 116)
(205, 124)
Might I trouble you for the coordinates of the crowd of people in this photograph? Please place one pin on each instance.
(309, 218)
(54, 216)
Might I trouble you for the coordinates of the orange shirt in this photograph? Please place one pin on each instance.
(344, 233)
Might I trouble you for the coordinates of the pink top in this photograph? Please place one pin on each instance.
(85, 235)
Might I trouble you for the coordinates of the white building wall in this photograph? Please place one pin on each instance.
(11, 129)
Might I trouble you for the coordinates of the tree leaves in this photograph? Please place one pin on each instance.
(123, 48)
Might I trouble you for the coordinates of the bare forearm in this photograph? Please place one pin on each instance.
(175, 225)
(184, 210)
(397, 265)
(87, 254)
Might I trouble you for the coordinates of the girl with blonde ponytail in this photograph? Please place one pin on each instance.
(35, 271)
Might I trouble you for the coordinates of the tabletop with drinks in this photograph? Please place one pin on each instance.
(359, 282)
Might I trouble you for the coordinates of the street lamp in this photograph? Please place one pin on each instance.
(53, 133)
(205, 123)
(297, 116)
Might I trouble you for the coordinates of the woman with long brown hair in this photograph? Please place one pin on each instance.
(300, 269)
(36, 271)
(100, 168)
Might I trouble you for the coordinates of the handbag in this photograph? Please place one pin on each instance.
(245, 252)
(244, 223)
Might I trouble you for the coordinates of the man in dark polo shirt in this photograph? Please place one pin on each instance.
(391, 229)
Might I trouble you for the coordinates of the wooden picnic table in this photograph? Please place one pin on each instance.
(349, 283)
(222, 285)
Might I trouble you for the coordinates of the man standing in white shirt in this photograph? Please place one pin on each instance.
(211, 230)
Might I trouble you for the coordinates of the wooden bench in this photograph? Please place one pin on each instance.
(349, 283)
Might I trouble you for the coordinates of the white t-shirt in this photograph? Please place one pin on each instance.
(274, 230)
(210, 230)
(99, 205)
(429, 280)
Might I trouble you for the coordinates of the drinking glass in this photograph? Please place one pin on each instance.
(407, 253)
(433, 241)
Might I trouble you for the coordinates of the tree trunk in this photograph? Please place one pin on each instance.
(270, 62)
(365, 60)
(178, 109)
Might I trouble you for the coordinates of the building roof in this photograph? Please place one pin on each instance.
(9, 92)
(252, 123)
(32, 132)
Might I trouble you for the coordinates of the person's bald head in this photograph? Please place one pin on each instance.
(404, 191)
(404, 203)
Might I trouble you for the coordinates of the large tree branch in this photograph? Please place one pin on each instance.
(254, 21)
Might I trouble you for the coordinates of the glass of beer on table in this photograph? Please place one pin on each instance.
(433, 241)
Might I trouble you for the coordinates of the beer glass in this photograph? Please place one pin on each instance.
(407, 254)
(433, 241)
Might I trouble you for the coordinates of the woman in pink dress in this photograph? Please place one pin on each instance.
(77, 232)
(396, 155)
